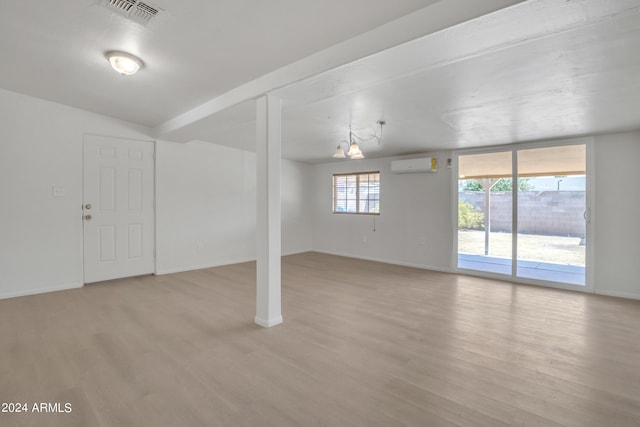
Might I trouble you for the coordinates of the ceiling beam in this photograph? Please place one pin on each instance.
(429, 20)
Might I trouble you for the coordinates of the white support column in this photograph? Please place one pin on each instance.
(268, 245)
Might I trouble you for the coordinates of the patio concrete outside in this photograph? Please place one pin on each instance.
(550, 258)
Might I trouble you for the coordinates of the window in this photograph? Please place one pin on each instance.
(357, 193)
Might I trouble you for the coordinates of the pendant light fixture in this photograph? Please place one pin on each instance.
(353, 149)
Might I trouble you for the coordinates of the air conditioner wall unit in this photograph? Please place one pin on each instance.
(424, 164)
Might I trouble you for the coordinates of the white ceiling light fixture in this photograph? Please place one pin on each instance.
(353, 149)
(123, 62)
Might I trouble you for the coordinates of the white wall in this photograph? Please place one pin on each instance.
(413, 228)
(617, 215)
(296, 192)
(207, 206)
(418, 205)
(205, 198)
(41, 147)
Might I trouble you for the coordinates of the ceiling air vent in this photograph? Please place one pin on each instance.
(144, 12)
(135, 10)
(123, 5)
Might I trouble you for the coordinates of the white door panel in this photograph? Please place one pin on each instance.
(118, 208)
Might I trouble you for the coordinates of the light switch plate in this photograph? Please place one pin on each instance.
(59, 191)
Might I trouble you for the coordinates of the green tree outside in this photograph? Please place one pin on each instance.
(503, 184)
(469, 217)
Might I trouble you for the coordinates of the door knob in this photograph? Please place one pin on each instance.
(87, 206)
(87, 217)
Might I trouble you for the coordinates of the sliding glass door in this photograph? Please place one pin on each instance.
(542, 236)
(551, 214)
(485, 212)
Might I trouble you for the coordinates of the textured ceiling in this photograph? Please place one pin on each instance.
(444, 74)
(537, 70)
(195, 50)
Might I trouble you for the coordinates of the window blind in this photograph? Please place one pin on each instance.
(357, 193)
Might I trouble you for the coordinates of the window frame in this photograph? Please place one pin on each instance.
(357, 175)
(589, 142)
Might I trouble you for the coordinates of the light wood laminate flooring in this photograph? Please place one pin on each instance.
(362, 344)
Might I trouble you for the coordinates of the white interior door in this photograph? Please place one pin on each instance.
(118, 208)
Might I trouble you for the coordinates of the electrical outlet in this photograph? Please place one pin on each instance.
(364, 238)
(422, 241)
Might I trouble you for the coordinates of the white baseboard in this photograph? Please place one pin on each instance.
(268, 323)
(385, 261)
(161, 272)
(629, 295)
(295, 252)
(23, 293)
